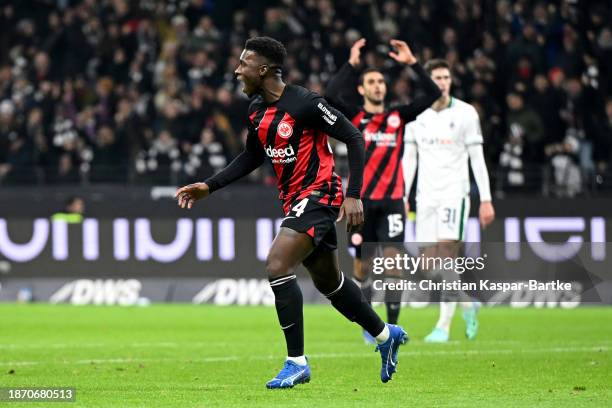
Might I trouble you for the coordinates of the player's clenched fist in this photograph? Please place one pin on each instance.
(189, 194)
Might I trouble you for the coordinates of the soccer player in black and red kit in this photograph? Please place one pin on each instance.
(383, 188)
(291, 125)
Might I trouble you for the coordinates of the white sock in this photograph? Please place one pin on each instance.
(447, 311)
(301, 360)
(383, 336)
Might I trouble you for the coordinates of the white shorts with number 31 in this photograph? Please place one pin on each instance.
(442, 221)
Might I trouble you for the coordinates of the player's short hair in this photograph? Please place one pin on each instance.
(368, 71)
(274, 51)
(435, 64)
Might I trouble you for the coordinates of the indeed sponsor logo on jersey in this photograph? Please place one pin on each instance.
(282, 155)
(380, 138)
(328, 116)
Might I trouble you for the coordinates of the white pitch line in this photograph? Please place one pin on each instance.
(315, 355)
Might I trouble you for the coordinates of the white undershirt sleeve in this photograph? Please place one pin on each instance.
(479, 168)
(409, 165)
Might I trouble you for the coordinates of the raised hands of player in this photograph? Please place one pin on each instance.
(355, 57)
(352, 208)
(191, 193)
(403, 54)
(486, 213)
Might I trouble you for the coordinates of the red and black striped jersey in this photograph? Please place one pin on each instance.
(293, 133)
(383, 133)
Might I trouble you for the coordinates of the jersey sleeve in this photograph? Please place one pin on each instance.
(472, 133)
(410, 133)
(479, 168)
(253, 144)
(321, 115)
(338, 87)
(248, 160)
(409, 112)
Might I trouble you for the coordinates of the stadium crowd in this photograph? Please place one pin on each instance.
(144, 91)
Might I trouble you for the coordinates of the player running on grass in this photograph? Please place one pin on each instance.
(290, 125)
(383, 131)
(443, 138)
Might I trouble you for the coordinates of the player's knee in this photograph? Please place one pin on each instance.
(275, 268)
(326, 286)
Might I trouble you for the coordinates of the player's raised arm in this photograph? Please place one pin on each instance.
(473, 142)
(248, 160)
(344, 81)
(403, 54)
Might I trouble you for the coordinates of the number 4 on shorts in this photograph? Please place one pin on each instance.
(300, 207)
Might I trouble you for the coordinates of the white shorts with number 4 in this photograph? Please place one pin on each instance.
(442, 221)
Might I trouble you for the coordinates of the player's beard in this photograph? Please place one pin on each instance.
(376, 102)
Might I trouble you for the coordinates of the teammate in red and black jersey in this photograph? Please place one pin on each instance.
(290, 125)
(383, 131)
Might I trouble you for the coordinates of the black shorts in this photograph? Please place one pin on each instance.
(315, 219)
(384, 222)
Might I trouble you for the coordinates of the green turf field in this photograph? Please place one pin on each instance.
(202, 356)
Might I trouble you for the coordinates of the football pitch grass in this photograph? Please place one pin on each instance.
(207, 356)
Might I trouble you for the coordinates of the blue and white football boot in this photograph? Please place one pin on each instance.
(388, 351)
(291, 375)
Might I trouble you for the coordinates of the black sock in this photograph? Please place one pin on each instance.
(393, 311)
(366, 288)
(288, 300)
(349, 301)
(393, 299)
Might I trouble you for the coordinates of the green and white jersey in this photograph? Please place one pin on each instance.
(442, 140)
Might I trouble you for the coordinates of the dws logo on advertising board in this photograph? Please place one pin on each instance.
(236, 292)
(101, 292)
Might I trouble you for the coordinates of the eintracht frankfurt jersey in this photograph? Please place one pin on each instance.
(383, 133)
(293, 133)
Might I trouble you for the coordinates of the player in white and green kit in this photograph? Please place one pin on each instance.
(440, 141)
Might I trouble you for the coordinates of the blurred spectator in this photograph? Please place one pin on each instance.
(547, 102)
(161, 161)
(73, 212)
(585, 116)
(107, 157)
(566, 172)
(524, 132)
(205, 157)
